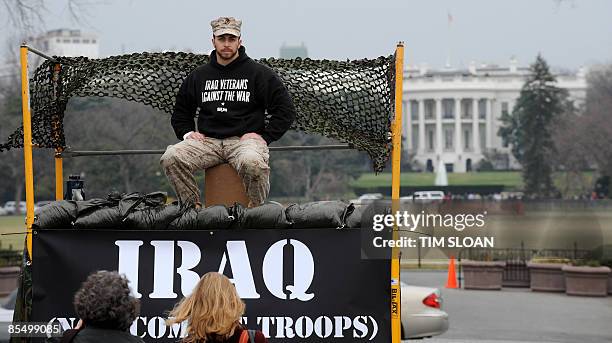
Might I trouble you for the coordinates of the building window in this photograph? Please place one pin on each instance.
(482, 108)
(93, 41)
(466, 108)
(430, 109)
(448, 108)
(430, 140)
(85, 41)
(467, 138)
(75, 41)
(414, 109)
(504, 107)
(448, 138)
(57, 40)
(66, 41)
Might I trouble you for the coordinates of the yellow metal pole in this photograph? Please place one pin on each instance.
(27, 146)
(59, 175)
(396, 131)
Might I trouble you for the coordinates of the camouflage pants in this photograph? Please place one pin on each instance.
(250, 158)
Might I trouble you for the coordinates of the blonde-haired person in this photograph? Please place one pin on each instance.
(213, 311)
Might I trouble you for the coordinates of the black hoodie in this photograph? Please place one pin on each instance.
(233, 100)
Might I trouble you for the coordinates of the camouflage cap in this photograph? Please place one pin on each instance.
(226, 25)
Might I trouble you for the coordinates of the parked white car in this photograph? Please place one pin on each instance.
(11, 207)
(428, 196)
(3, 212)
(367, 198)
(422, 314)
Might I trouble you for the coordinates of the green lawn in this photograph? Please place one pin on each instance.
(511, 180)
(12, 224)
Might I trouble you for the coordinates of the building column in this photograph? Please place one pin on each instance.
(421, 147)
(489, 125)
(457, 142)
(475, 126)
(407, 125)
(438, 129)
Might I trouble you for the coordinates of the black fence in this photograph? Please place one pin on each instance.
(516, 273)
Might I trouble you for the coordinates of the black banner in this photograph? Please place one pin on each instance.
(298, 285)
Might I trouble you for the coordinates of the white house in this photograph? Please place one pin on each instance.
(453, 115)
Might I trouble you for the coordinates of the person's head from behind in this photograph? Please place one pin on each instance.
(104, 301)
(226, 38)
(213, 309)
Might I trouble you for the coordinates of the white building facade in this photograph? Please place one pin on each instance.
(453, 116)
(69, 43)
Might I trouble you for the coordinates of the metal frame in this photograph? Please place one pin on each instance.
(27, 146)
(27, 142)
(79, 153)
(396, 129)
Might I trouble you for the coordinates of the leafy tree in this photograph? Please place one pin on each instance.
(529, 128)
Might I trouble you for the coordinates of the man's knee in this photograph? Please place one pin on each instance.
(169, 157)
(254, 164)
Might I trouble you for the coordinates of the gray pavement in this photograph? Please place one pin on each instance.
(517, 315)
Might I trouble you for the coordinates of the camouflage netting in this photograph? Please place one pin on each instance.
(351, 101)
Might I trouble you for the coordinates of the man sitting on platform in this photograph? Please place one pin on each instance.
(231, 97)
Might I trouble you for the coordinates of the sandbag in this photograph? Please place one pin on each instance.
(320, 214)
(56, 215)
(266, 216)
(102, 218)
(353, 221)
(210, 218)
(138, 201)
(153, 218)
(97, 214)
(112, 213)
(186, 221)
(214, 217)
(89, 206)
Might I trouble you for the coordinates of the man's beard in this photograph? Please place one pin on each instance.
(224, 54)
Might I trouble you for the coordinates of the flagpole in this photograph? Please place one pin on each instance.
(449, 39)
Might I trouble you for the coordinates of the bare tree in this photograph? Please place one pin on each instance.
(596, 124)
(583, 138)
(28, 16)
(572, 154)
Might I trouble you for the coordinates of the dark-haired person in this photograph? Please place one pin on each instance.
(106, 310)
(241, 105)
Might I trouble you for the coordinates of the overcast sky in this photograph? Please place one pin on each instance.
(568, 33)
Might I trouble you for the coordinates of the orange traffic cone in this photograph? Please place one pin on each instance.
(451, 281)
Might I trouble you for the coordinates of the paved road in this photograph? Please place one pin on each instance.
(517, 315)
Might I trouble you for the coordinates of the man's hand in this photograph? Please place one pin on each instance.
(196, 136)
(253, 135)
